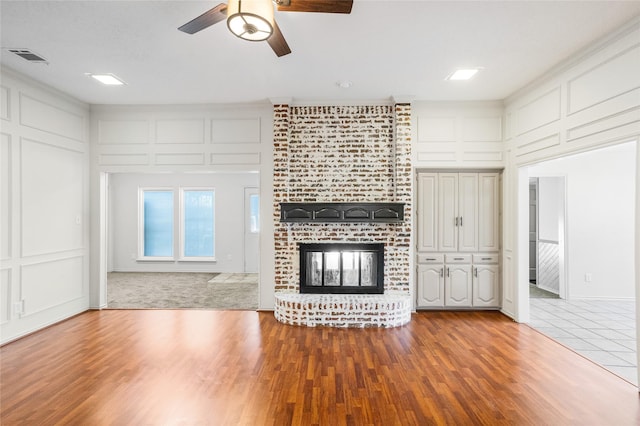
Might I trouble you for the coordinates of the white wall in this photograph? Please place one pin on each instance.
(229, 219)
(180, 139)
(600, 204)
(44, 164)
(550, 204)
(589, 101)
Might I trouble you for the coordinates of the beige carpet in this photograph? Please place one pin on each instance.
(181, 290)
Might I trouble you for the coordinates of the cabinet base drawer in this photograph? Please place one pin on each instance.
(485, 258)
(457, 258)
(431, 258)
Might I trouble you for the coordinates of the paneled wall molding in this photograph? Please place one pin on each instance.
(191, 140)
(44, 273)
(593, 102)
(541, 111)
(622, 38)
(44, 92)
(589, 101)
(583, 91)
(458, 134)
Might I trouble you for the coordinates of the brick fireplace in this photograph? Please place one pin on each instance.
(342, 154)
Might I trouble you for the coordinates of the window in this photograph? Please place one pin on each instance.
(254, 213)
(195, 233)
(197, 213)
(157, 223)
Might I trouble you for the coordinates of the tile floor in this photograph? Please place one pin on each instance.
(603, 331)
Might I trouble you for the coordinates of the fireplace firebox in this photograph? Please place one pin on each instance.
(345, 268)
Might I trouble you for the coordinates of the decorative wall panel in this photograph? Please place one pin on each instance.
(179, 159)
(47, 201)
(49, 284)
(180, 131)
(123, 132)
(5, 295)
(437, 129)
(538, 144)
(481, 129)
(5, 105)
(458, 134)
(540, 111)
(235, 131)
(53, 119)
(586, 89)
(6, 185)
(123, 159)
(235, 159)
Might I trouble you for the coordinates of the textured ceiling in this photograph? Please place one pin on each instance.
(385, 48)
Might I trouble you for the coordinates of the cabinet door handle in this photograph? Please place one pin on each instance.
(456, 221)
(460, 220)
(475, 272)
(442, 272)
(448, 272)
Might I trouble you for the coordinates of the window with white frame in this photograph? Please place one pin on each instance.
(197, 223)
(195, 233)
(254, 213)
(156, 223)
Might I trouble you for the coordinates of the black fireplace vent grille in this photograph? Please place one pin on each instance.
(342, 212)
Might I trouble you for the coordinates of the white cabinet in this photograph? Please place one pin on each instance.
(431, 285)
(485, 285)
(444, 280)
(457, 285)
(458, 281)
(488, 212)
(458, 244)
(427, 235)
(458, 212)
(486, 280)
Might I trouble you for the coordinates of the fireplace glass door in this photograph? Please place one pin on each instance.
(341, 268)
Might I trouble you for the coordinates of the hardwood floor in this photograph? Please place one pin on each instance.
(185, 367)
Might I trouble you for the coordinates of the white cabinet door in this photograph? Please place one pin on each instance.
(430, 286)
(486, 279)
(427, 212)
(457, 285)
(488, 211)
(468, 212)
(447, 211)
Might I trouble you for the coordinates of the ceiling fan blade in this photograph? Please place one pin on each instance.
(205, 20)
(323, 6)
(277, 41)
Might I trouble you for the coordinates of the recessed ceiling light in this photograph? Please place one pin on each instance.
(463, 74)
(344, 84)
(107, 79)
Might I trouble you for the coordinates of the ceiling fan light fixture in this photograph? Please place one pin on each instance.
(250, 19)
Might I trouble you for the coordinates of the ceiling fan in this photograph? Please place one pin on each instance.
(253, 19)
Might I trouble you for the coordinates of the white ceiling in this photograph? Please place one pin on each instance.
(385, 47)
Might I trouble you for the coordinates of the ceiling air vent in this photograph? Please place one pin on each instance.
(29, 55)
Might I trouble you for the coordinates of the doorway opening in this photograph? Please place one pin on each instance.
(182, 278)
(546, 236)
(585, 205)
